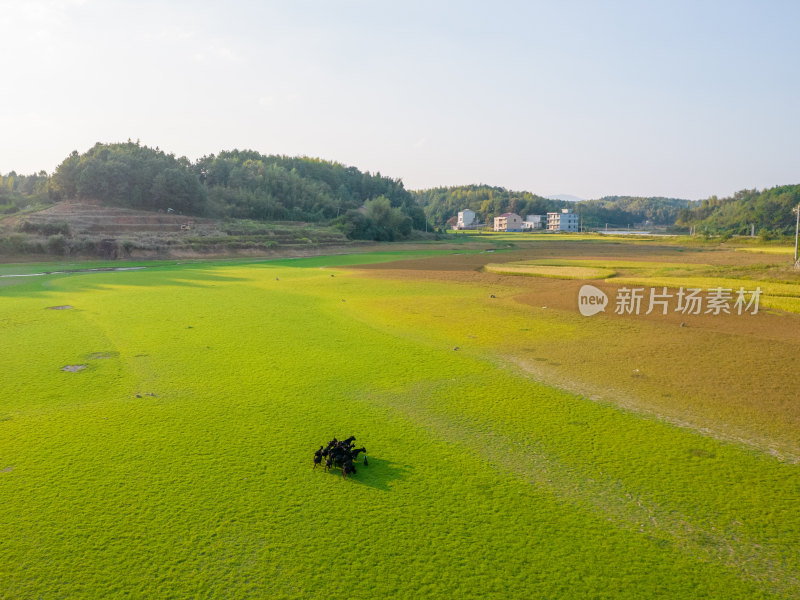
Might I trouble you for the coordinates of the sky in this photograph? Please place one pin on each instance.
(650, 98)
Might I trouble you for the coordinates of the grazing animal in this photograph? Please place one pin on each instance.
(339, 453)
(348, 468)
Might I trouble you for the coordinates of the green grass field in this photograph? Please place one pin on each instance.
(177, 464)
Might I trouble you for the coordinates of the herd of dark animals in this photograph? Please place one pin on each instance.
(340, 454)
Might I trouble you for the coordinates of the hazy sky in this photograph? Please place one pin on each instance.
(671, 98)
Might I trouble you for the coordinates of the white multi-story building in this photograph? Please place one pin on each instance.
(466, 220)
(534, 222)
(566, 220)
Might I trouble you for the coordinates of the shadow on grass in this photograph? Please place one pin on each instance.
(380, 474)
(193, 276)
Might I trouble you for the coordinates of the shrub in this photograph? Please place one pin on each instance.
(57, 244)
(46, 228)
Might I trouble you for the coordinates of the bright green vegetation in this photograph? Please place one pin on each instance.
(443, 204)
(769, 210)
(233, 184)
(481, 483)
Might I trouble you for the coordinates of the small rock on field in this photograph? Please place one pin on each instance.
(73, 368)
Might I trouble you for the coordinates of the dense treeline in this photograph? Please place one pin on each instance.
(236, 184)
(246, 184)
(249, 185)
(769, 212)
(443, 204)
(131, 176)
(621, 211)
(19, 191)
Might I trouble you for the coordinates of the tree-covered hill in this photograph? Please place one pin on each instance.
(769, 211)
(240, 184)
(442, 204)
(19, 191)
(621, 211)
(130, 176)
(245, 184)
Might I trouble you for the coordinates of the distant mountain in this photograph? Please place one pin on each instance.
(565, 197)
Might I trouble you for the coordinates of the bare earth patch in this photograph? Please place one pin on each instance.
(729, 376)
(62, 307)
(73, 368)
(101, 355)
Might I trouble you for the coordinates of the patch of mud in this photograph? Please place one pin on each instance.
(73, 368)
(62, 307)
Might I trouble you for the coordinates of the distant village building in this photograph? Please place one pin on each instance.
(466, 220)
(566, 220)
(508, 222)
(534, 222)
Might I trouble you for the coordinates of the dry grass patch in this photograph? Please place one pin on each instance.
(557, 272)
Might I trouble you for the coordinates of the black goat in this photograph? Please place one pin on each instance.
(348, 468)
(317, 457)
(340, 453)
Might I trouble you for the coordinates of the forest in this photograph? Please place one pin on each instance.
(443, 204)
(768, 212)
(241, 184)
(245, 184)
